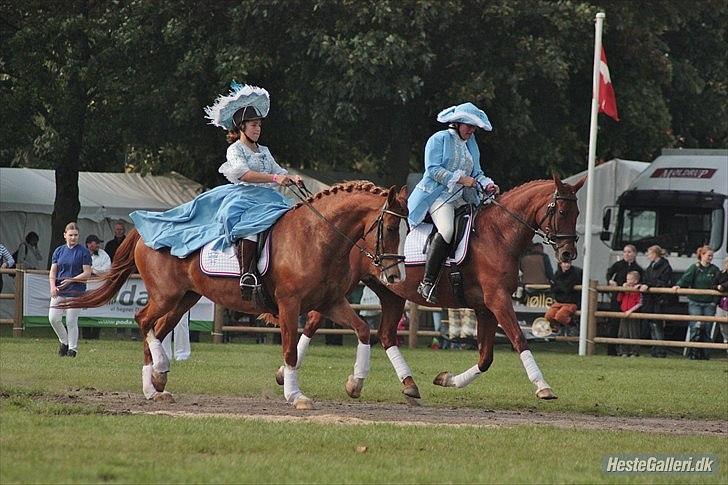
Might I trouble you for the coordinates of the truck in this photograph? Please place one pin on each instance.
(679, 202)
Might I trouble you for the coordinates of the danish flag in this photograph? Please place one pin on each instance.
(607, 99)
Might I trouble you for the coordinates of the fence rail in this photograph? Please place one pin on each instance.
(414, 332)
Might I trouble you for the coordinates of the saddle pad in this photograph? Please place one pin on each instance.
(225, 262)
(417, 238)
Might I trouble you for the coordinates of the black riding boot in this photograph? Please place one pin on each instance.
(248, 275)
(436, 254)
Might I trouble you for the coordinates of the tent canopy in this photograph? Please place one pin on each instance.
(102, 195)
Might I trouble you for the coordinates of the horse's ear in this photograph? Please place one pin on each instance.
(402, 195)
(579, 184)
(557, 182)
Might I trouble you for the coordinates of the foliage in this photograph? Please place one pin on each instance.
(354, 83)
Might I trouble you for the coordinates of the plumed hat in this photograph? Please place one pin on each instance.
(252, 101)
(465, 113)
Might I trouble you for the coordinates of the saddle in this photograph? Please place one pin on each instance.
(463, 218)
(461, 223)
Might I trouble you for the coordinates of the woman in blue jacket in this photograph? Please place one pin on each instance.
(452, 174)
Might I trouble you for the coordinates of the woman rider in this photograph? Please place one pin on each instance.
(452, 174)
(242, 209)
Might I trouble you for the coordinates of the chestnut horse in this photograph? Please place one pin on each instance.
(490, 276)
(308, 270)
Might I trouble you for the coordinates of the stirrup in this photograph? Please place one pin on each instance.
(249, 284)
(427, 291)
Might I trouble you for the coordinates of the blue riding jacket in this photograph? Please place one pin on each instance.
(442, 171)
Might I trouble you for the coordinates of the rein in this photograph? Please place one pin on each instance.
(303, 193)
(548, 238)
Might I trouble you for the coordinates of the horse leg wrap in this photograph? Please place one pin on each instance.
(532, 370)
(400, 366)
(301, 349)
(147, 386)
(363, 356)
(462, 380)
(159, 359)
(291, 391)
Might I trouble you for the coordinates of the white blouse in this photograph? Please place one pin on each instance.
(241, 160)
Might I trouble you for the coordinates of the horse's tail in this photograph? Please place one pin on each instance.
(122, 267)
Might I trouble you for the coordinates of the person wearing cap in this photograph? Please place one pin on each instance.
(451, 179)
(100, 260)
(246, 206)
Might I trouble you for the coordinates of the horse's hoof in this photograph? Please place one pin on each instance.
(411, 391)
(546, 393)
(443, 379)
(354, 386)
(279, 376)
(164, 397)
(159, 380)
(303, 404)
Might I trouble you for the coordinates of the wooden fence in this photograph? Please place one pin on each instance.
(416, 311)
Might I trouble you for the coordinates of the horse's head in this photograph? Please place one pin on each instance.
(558, 221)
(387, 236)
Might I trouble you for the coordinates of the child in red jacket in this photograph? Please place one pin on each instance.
(630, 328)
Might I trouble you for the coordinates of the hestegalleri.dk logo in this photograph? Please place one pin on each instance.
(683, 463)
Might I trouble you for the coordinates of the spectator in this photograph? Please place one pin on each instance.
(28, 254)
(119, 235)
(659, 275)
(536, 266)
(6, 261)
(70, 267)
(699, 276)
(616, 276)
(100, 260)
(628, 303)
(440, 342)
(182, 349)
(368, 297)
(372, 317)
(566, 298)
(720, 283)
(100, 264)
(462, 326)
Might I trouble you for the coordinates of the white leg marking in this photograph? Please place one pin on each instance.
(301, 349)
(362, 364)
(532, 370)
(400, 366)
(462, 380)
(159, 358)
(147, 386)
(291, 391)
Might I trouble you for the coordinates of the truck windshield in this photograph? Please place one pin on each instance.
(676, 229)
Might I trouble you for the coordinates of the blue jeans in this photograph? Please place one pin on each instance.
(698, 308)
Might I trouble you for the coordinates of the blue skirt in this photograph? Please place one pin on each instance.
(223, 215)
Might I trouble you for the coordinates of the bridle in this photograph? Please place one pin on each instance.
(378, 257)
(551, 234)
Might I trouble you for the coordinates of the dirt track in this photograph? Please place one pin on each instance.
(274, 409)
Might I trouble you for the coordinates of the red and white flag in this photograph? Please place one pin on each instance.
(607, 99)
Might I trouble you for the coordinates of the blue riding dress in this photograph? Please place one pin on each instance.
(221, 215)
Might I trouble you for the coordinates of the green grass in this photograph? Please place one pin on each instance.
(43, 442)
(602, 385)
(46, 440)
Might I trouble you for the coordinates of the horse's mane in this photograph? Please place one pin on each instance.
(349, 186)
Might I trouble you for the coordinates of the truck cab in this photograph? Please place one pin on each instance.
(679, 202)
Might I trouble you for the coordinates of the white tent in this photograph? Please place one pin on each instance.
(27, 196)
(611, 179)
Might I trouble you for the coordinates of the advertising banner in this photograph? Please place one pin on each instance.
(119, 312)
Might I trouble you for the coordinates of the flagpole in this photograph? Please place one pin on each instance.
(590, 185)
